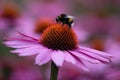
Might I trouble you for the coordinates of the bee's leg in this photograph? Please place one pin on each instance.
(63, 24)
(69, 26)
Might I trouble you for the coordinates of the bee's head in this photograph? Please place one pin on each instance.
(65, 19)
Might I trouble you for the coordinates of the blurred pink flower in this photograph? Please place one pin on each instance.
(33, 27)
(9, 13)
(42, 23)
(94, 22)
(109, 44)
(42, 8)
(113, 72)
(81, 33)
(57, 43)
(26, 74)
(26, 21)
(74, 72)
(113, 47)
(9, 10)
(26, 25)
(18, 70)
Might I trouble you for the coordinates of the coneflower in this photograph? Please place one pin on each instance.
(58, 43)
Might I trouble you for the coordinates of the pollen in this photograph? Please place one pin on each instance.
(42, 24)
(59, 37)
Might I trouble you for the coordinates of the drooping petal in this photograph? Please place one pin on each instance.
(81, 64)
(58, 57)
(69, 58)
(95, 57)
(100, 53)
(95, 54)
(43, 57)
(84, 57)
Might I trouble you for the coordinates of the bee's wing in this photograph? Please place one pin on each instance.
(71, 17)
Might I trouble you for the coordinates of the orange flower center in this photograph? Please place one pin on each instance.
(10, 12)
(98, 44)
(59, 37)
(42, 24)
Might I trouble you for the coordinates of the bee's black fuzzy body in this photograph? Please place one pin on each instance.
(64, 19)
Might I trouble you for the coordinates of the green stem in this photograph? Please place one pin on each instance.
(54, 71)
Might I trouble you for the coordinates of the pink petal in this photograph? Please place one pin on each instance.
(22, 45)
(28, 51)
(100, 53)
(28, 36)
(15, 42)
(84, 57)
(81, 64)
(43, 57)
(58, 57)
(69, 58)
(19, 42)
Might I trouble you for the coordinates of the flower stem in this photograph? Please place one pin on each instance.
(54, 71)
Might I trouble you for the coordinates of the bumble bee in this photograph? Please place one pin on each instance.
(65, 19)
